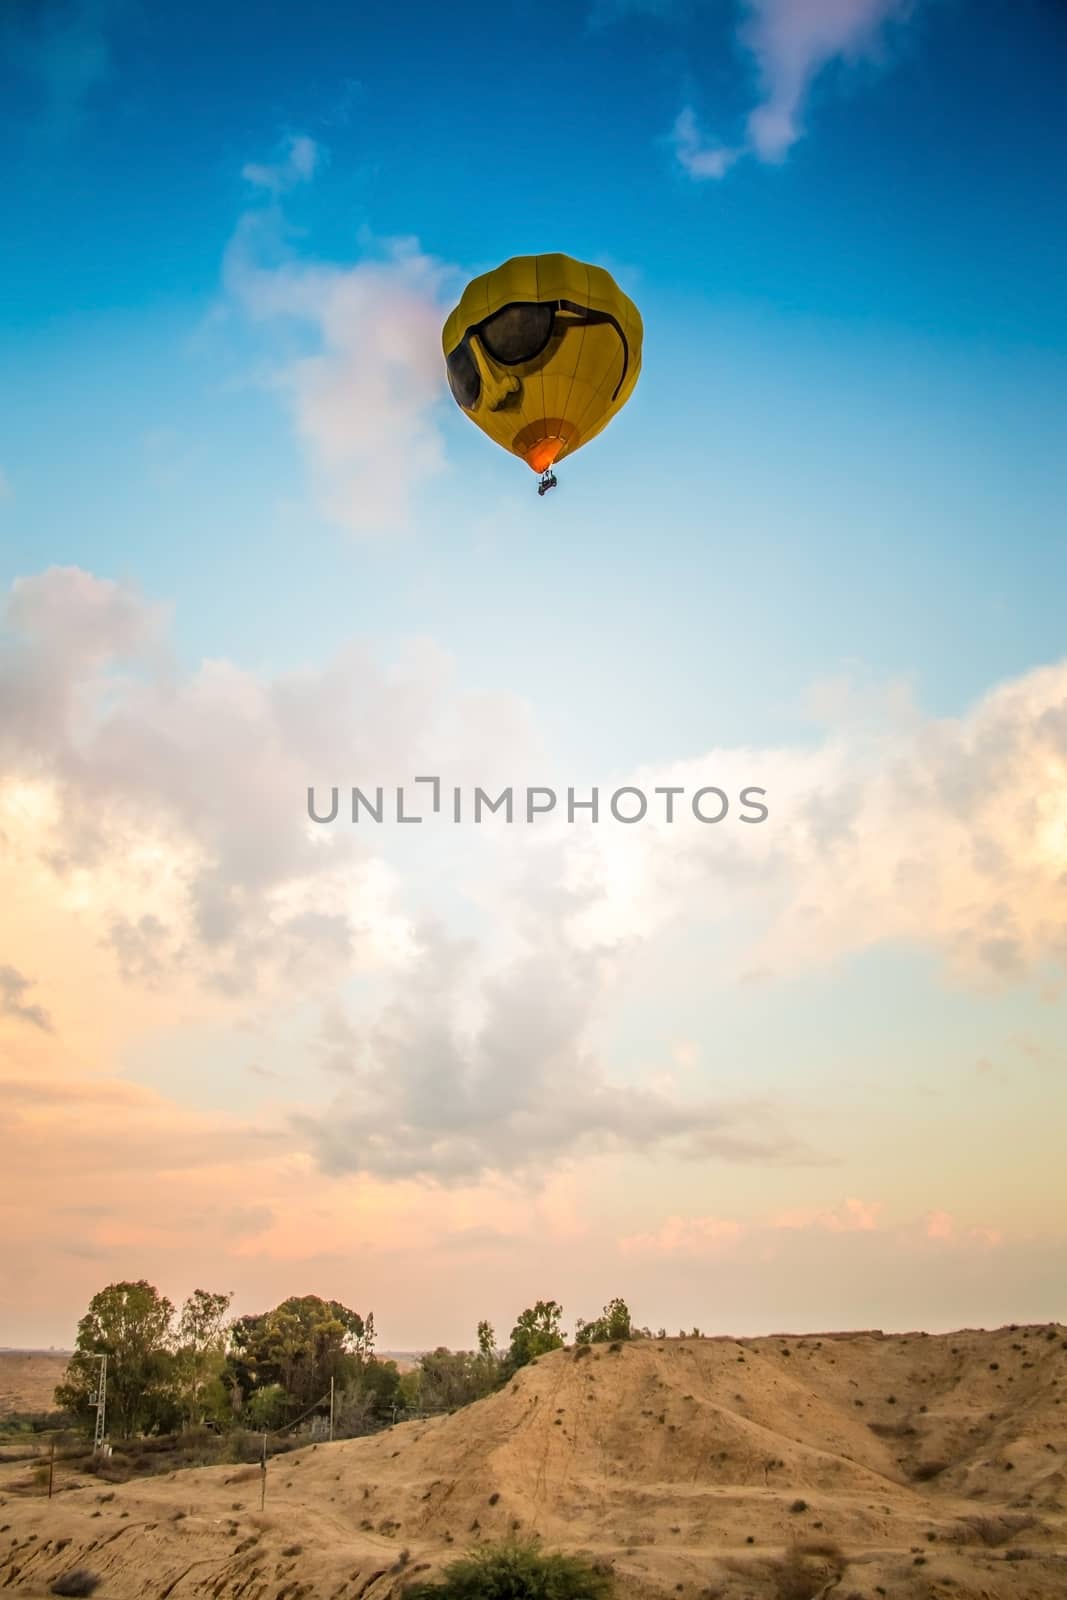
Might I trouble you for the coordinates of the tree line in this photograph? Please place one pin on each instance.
(171, 1369)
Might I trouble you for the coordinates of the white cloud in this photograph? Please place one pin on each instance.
(300, 160)
(699, 158)
(947, 833)
(165, 808)
(852, 1216)
(171, 805)
(365, 396)
(433, 1086)
(791, 42)
(705, 1236)
(13, 989)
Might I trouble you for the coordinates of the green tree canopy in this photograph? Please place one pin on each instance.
(130, 1323)
(535, 1333)
(301, 1345)
(613, 1323)
(201, 1353)
(447, 1379)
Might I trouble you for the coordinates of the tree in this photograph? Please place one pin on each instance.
(535, 1333)
(452, 1378)
(488, 1356)
(266, 1409)
(301, 1344)
(130, 1323)
(201, 1353)
(613, 1323)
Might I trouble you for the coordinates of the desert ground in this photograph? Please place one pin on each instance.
(28, 1379)
(937, 1465)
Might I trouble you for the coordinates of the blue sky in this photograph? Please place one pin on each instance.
(886, 299)
(823, 541)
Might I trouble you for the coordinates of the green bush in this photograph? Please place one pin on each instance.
(516, 1570)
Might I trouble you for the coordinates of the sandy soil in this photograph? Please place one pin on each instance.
(937, 1464)
(28, 1378)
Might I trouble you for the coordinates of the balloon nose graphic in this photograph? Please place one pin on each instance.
(499, 393)
(497, 387)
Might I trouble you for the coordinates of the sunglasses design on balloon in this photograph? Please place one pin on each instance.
(518, 333)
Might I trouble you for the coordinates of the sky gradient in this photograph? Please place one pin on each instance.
(803, 1075)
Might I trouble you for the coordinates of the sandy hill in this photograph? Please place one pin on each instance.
(938, 1465)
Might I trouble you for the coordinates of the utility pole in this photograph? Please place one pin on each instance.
(101, 1405)
(331, 1411)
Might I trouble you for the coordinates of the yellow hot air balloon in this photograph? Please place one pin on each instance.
(541, 354)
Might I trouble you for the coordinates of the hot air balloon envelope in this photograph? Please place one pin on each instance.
(541, 353)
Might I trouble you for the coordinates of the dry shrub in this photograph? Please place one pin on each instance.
(803, 1573)
(807, 1568)
(103, 1467)
(78, 1582)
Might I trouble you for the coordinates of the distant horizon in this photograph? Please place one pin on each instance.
(387, 1353)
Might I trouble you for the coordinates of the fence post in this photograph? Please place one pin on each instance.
(263, 1475)
(51, 1467)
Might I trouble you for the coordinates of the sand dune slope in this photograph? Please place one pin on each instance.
(936, 1464)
